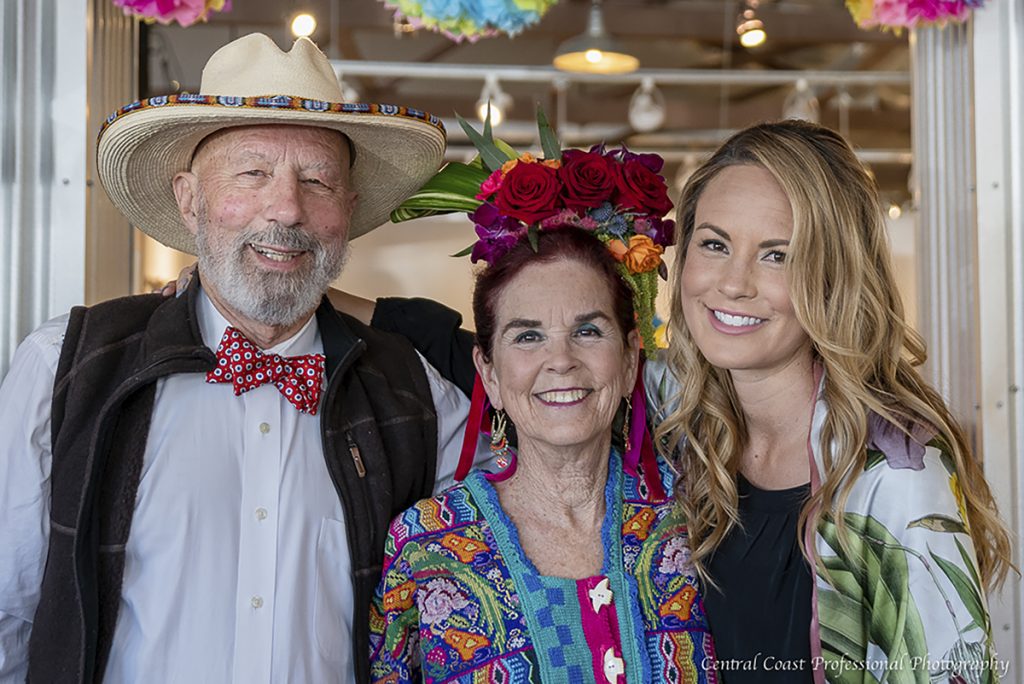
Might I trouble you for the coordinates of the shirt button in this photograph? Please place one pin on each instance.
(601, 595)
(264, 428)
(256, 602)
(261, 513)
(613, 667)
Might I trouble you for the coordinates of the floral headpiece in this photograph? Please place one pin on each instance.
(615, 194)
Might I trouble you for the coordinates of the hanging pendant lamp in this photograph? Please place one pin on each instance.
(594, 51)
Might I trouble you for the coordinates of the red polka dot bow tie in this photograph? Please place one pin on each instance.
(239, 362)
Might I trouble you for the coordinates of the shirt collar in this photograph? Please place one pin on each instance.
(212, 325)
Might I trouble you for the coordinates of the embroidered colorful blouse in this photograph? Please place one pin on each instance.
(461, 602)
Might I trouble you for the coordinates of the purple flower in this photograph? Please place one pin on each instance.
(901, 450)
(439, 599)
(675, 558)
(651, 162)
(497, 233)
(661, 232)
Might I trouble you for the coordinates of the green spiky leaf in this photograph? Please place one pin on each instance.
(938, 523)
(532, 233)
(965, 589)
(548, 140)
(464, 252)
(488, 135)
(492, 156)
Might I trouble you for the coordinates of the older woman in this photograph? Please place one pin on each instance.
(844, 530)
(563, 567)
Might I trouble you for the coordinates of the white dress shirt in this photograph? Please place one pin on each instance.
(237, 566)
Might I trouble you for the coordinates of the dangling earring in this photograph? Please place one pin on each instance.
(499, 441)
(626, 420)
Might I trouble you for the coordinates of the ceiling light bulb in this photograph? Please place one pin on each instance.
(494, 97)
(801, 103)
(647, 107)
(303, 25)
(594, 51)
(753, 38)
(497, 116)
(749, 28)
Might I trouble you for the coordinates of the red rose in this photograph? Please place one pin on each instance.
(588, 180)
(530, 192)
(642, 189)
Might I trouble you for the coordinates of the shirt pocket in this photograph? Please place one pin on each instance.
(332, 604)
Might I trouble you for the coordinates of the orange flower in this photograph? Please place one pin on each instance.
(643, 254)
(525, 158)
(618, 249)
(553, 163)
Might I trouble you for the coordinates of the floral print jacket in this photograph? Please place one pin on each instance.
(901, 600)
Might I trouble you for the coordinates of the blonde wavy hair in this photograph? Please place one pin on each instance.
(845, 297)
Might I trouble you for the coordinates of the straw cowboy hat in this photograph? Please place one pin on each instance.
(251, 81)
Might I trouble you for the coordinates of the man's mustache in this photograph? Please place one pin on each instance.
(288, 237)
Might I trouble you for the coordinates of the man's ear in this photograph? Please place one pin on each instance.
(488, 378)
(186, 194)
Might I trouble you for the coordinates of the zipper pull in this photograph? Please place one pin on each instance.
(353, 451)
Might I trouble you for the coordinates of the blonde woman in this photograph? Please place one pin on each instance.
(845, 530)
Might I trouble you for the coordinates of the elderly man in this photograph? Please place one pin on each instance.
(197, 489)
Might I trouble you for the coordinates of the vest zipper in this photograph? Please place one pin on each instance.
(353, 451)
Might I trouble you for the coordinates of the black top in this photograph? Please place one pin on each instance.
(760, 613)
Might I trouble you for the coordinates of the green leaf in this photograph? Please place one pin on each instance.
(548, 140)
(964, 588)
(506, 148)
(874, 458)
(874, 558)
(971, 625)
(464, 252)
(532, 233)
(488, 136)
(453, 188)
(938, 523)
(969, 563)
(844, 632)
(491, 155)
(841, 578)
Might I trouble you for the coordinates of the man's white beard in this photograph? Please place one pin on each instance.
(266, 296)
